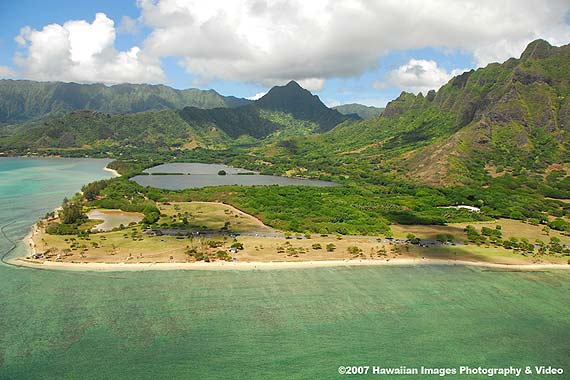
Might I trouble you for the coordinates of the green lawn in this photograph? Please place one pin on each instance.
(277, 324)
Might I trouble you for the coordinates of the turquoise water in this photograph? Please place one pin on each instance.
(31, 187)
(271, 324)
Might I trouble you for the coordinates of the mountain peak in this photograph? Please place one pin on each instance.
(293, 84)
(294, 99)
(284, 96)
(537, 49)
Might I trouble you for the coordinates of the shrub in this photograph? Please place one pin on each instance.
(62, 229)
(237, 245)
(354, 250)
(223, 255)
(215, 243)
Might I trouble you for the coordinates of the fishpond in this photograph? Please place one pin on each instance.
(113, 218)
(179, 176)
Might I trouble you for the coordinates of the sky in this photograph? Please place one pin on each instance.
(345, 51)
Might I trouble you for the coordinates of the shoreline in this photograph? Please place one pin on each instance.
(113, 171)
(260, 265)
(223, 265)
(29, 240)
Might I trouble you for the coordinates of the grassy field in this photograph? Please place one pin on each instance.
(510, 228)
(124, 246)
(488, 254)
(277, 324)
(211, 216)
(131, 245)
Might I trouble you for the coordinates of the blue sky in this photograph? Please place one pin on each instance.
(344, 51)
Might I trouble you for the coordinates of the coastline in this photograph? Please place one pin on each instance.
(29, 240)
(223, 265)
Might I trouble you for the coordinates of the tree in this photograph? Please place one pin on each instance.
(412, 239)
(237, 245)
(331, 247)
(92, 190)
(70, 212)
(559, 224)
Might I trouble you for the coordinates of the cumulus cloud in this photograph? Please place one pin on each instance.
(6, 72)
(272, 41)
(418, 75)
(312, 84)
(257, 96)
(83, 52)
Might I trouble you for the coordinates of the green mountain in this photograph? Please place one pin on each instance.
(504, 119)
(364, 112)
(22, 100)
(510, 118)
(101, 132)
(303, 105)
(284, 112)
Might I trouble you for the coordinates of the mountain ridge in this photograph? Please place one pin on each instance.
(186, 128)
(506, 118)
(363, 111)
(24, 100)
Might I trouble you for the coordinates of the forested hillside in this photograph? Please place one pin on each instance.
(22, 100)
(504, 119)
(510, 118)
(287, 111)
(365, 112)
(303, 105)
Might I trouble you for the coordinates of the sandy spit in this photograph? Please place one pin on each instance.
(115, 173)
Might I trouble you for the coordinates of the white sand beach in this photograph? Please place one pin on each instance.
(115, 173)
(223, 265)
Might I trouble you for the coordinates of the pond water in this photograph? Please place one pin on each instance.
(197, 175)
(114, 218)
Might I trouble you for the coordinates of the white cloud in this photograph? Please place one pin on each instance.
(6, 72)
(273, 41)
(83, 52)
(418, 75)
(270, 42)
(257, 96)
(129, 25)
(312, 84)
